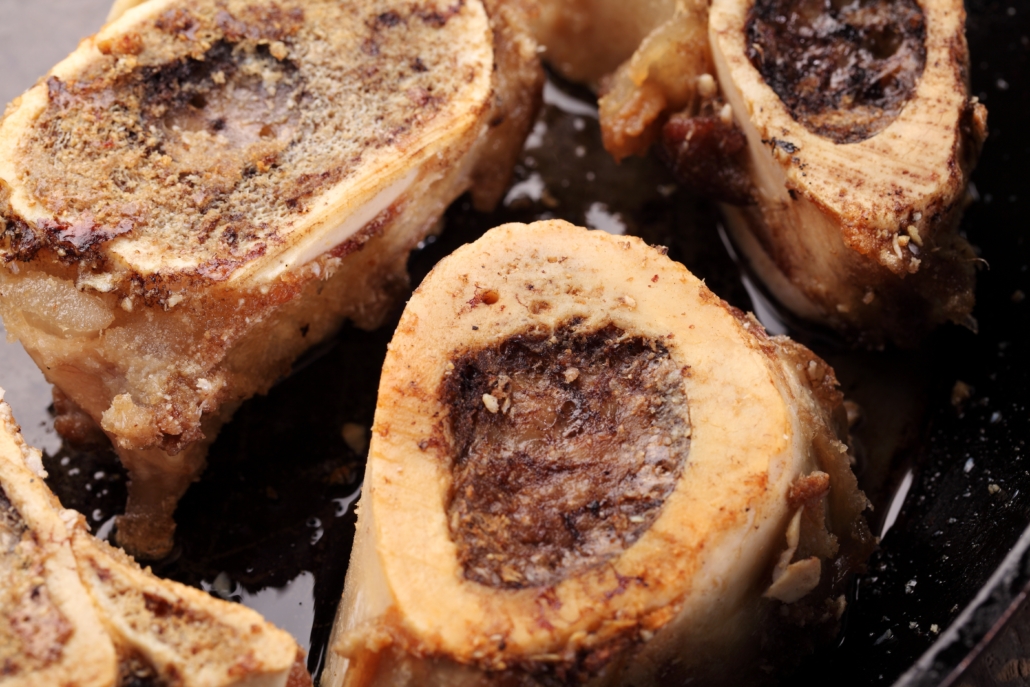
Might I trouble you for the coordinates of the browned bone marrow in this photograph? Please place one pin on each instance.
(204, 190)
(839, 137)
(75, 611)
(586, 468)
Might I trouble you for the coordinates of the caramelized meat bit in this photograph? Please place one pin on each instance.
(565, 450)
(75, 425)
(706, 154)
(844, 70)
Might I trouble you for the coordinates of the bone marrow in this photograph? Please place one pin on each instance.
(859, 191)
(840, 138)
(76, 611)
(585, 466)
(531, 503)
(204, 190)
(843, 72)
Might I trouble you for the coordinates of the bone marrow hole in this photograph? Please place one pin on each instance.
(566, 446)
(843, 69)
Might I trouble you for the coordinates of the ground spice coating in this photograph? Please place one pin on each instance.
(210, 132)
(565, 449)
(843, 69)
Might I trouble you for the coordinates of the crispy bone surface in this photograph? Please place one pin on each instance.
(840, 135)
(200, 138)
(860, 166)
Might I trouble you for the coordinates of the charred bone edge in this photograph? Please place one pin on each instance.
(861, 236)
(112, 612)
(164, 445)
(407, 609)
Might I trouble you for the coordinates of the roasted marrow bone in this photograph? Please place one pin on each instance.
(75, 611)
(839, 137)
(861, 139)
(205, 189)
(585, 467)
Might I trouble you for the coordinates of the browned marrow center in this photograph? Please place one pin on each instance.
(843, 69)
(566, 447)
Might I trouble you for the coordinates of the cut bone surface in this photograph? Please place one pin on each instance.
(490, 546)
(204, 190)
(861, 136)
(77, 612)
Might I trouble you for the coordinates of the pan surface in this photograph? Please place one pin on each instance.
(943, 602)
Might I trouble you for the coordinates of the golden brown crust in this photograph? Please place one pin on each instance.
(862, 236)
(215, 133)
(846, 201)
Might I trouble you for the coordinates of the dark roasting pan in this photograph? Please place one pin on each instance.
(944, 600)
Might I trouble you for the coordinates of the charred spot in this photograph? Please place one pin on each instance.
(75, 239)
(565, 448)
(10, 519)
(178, 22)
(193, 84)
(388, 19)
(418, 66)
(159, 606)
(260, 22)
(23, 243)
(844, 70)
(785, 146)
(438, 19)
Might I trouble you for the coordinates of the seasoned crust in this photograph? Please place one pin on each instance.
(77, 612)
(158, 333)
(197, 139)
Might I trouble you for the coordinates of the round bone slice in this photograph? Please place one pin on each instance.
(585, 465)
(77, 612)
